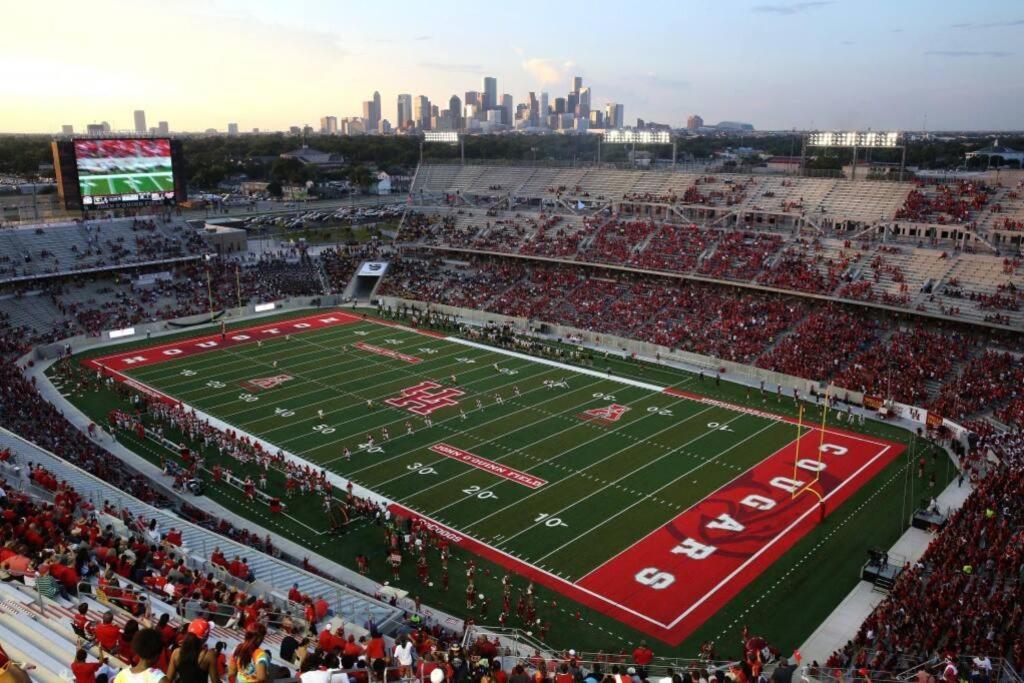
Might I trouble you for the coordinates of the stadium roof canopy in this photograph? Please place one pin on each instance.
(997, 150)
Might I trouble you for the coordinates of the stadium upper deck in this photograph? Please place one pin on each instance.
(944, 250)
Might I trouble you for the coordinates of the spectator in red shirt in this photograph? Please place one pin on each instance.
(642, 656)
(376, 655)
(108, 635)
(85, 672)
(322, 608)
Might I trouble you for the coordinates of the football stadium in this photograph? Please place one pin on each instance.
(512, 395)
(603, 411)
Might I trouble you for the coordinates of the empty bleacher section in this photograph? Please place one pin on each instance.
(31, 252)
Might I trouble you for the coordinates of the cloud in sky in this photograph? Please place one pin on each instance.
(791, 8)
(547, 71)
(990, 24)
(967, 53)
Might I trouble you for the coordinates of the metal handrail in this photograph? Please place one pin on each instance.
(100, 594)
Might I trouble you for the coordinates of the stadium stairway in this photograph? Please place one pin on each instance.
(270, 572)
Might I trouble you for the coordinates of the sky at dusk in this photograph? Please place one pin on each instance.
(893, 64)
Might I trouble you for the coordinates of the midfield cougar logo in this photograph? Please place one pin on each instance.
(610, 413)
(266, 382)
(422, 399)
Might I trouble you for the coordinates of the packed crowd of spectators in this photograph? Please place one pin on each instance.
(740, 255)
(25, 412)
(674, 248)
(820, 346)
(965, 596)
(901, 366)
(68, 542)
(989, 379)
(692, 316)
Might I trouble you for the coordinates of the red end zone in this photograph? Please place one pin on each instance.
(126, 360)
(670, 582)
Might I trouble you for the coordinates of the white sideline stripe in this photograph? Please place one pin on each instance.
(557, 364)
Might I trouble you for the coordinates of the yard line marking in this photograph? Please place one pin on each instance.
(333, 388)
(503, 435)
(344, 376)
(246, 354)
(593, 464)
(625, 476)
(455, 417)
(440, 423)
(403, 416)
(661, 488)
(558, 364)
(347, 407)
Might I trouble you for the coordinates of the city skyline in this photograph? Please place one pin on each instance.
(871, 64)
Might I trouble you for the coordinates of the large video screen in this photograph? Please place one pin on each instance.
(124, 171)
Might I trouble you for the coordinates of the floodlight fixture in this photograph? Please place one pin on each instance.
(853, 139)
(637, 137)
(450, 137)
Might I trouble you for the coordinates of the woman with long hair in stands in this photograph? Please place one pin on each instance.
(250, 663)
(193, 662)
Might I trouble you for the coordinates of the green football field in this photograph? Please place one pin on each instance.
(563, 475)
(126, 183)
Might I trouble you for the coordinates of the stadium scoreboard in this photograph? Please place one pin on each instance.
(110, 173)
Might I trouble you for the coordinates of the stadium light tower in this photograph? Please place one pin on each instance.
(622, 136)
(444, 137)
(855, 140)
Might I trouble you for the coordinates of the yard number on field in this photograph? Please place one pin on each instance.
(549, 520)
(283, 412)
(719, 426)
(477, 492)
(215, 384)
(419, 468)
(323, 429)
(606, 397)
(188, 373)
(654, 410)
